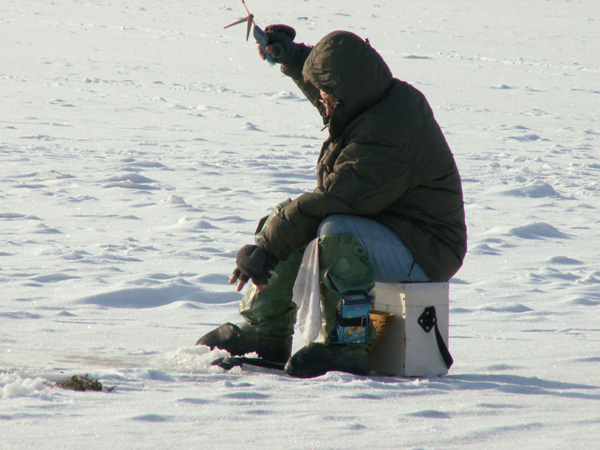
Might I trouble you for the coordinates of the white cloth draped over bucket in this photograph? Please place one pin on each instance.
(306, 294)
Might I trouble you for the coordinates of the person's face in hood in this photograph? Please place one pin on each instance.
(350, 74)
(328, 102)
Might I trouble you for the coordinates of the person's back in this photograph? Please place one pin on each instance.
(429, 214)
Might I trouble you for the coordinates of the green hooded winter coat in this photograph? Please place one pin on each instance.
(386, 158)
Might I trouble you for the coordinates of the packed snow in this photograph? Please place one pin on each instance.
(141, 142)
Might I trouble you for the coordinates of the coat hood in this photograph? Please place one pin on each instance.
(348, 69)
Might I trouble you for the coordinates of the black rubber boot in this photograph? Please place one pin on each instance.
(317, 359)
(230, 337)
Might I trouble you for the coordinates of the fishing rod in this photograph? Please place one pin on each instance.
(260, 36)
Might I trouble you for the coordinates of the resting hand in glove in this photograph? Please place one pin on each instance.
(255, 263)
(281, 45)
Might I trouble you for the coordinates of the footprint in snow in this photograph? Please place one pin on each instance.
(144, 297)
(250, 127)
(176, 200)
(431, 414)
(536, 230)
(11, 216)
(132, 177)
(53, 278)
(151, 418)
(144, 164)
(527, 138)
(537, 189)
(483, 249)
(131, 181)
(564, 260)
(247, 396)
(44, 229)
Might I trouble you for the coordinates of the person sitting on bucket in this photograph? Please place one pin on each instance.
(388, 207)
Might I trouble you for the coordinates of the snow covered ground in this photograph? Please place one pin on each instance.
(140, 143)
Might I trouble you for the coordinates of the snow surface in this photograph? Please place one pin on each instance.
(140, 143)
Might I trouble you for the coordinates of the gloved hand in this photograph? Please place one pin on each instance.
(281, 45)
(253, 262)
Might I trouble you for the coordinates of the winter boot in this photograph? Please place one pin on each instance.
(230, 337)
(317, 359)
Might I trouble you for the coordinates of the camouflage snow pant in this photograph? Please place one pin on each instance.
(345, 265)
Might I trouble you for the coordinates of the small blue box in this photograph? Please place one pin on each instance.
(353, 317)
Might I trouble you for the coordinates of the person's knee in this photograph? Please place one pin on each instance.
(333, 225)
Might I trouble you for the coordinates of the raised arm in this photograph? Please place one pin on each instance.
(291, 56)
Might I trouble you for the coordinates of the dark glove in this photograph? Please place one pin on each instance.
(281, 45)
(254, 262)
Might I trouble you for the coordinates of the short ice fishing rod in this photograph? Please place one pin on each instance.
(260, 36)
